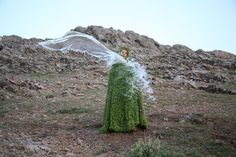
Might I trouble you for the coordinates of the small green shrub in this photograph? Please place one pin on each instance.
(145, 148)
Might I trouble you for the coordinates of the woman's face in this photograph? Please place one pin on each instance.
(124, 53)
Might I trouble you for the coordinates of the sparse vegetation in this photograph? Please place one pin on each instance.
(211, 134)
(145, 148)
(194, 140)
(101, 149)
(182, 141)
(73, 110)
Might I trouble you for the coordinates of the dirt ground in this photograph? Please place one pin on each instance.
(62, 118)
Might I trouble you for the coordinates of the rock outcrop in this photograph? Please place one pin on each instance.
(178, 62)
(169, 62)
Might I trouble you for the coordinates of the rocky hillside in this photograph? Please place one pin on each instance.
(195, 69)
(52, 104)
(170, 62)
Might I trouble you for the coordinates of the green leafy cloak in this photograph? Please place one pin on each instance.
(124, 102)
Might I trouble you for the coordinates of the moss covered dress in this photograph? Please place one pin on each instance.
(124, 103)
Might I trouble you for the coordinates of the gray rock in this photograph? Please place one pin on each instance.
(212, 88)
(181, 80)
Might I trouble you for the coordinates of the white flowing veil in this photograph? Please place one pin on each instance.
(84, 43)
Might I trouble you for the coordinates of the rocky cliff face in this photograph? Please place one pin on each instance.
(179, 63)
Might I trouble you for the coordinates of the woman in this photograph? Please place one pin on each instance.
(124, 100)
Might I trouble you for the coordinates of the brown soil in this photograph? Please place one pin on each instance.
(63, 118)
